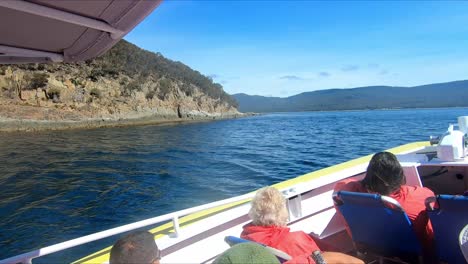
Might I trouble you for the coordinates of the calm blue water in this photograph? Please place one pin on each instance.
(56, 186)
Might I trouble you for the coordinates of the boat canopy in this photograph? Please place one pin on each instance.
(35, 31)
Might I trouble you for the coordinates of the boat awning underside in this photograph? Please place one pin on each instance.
(69, 31)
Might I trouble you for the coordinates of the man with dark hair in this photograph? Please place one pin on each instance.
(385, 176)
(137, 247)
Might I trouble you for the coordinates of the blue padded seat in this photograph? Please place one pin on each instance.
(281, 255)
(378, 224)
(232, 240)
(448, 217)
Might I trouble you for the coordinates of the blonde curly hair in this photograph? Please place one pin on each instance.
(269, 208)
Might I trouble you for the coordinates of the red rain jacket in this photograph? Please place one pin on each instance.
(298, 245)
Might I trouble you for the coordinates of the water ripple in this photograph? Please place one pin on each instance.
(60, 185)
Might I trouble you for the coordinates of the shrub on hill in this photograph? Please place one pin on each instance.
(38, 80)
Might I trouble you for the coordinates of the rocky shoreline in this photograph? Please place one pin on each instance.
(127, 86)
(29, 125)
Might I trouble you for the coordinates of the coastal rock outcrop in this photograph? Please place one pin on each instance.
(126, 84)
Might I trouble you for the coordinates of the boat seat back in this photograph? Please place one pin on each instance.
(448, 216)
(378, 224)
(281, 255)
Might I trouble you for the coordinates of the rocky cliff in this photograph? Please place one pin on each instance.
(127, 83)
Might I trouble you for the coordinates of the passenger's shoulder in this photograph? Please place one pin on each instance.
(302, 238)
(299, 234)
(418, 190)
(351, 185)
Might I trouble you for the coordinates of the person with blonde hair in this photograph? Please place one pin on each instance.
(269, 226)
(269, 208)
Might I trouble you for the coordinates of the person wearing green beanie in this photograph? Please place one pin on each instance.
(246, 253)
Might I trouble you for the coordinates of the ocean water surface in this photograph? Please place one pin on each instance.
(59, 185)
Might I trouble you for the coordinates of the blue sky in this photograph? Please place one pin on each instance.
(282, 48)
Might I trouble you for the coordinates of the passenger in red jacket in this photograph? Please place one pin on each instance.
(269, 218)
(385, 176)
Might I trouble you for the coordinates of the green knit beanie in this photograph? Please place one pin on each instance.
(246, 253)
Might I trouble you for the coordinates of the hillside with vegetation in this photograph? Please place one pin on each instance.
(450, 94)
(126, 83)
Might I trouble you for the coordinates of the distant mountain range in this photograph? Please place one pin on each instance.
(450, 94)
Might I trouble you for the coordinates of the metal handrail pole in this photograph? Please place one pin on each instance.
(175, 223)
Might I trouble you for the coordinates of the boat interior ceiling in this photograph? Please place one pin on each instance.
(35, 31)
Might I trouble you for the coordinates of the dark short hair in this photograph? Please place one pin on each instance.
(384, 174)
(137, 247)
